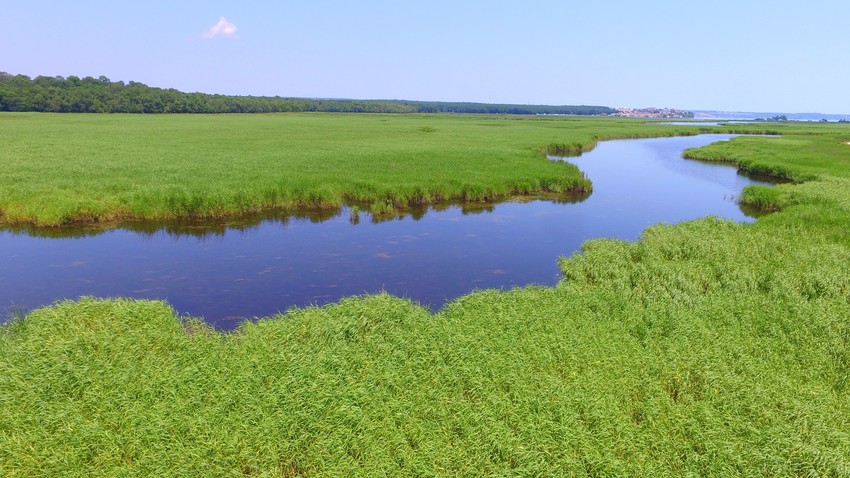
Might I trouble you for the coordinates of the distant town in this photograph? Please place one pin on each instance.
(652, 113)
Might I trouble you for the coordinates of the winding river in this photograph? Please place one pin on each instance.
(227, 271)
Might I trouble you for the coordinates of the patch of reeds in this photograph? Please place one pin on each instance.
(62, 170)
(707, 348)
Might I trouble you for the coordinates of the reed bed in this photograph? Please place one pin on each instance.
(708, 348)
(61, 169)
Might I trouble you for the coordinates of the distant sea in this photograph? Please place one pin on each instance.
(741, 115)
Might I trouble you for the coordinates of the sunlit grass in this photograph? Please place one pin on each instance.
(708, 348)
(57, 169)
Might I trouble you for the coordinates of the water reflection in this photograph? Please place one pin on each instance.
(232, 269)
(200, 228)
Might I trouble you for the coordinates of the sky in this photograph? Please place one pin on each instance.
(741, 55)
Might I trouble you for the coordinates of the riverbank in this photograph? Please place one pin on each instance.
(67, 169)
(234, 269)
(705, 348)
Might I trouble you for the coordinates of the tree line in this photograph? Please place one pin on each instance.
(101, 95)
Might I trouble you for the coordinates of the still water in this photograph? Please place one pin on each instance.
(231, 270)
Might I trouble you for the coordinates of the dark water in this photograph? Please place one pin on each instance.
(227, 271)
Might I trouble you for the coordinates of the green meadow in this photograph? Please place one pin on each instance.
(60, 169)
(707, 348)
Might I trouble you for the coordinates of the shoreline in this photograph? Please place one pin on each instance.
(381, 206)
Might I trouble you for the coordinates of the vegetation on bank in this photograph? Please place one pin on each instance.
(708, 348)
(62, 169)
(101, 95)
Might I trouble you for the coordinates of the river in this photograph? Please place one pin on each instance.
(226, 271)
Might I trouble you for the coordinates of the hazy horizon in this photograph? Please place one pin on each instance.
(724, 56)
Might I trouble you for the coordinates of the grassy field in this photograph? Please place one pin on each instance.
(59, 169)
(708, 348)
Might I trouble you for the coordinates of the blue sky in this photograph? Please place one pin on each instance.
(738, 55)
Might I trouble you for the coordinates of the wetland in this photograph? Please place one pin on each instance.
(662, 345)
(227, 270)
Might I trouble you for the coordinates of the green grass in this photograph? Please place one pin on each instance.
(59, 169)
(708, 348)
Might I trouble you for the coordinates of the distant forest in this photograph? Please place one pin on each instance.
(101, 95)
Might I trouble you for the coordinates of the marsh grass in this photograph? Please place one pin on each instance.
(61, 169)
(708, 348)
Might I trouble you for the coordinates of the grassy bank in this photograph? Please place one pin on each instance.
(708, 348)
(58, 169)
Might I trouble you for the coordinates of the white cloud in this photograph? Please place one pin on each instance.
(223, 29)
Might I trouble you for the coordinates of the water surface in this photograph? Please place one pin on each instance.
(226, 271)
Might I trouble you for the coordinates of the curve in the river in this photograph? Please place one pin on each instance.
(228, 273)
